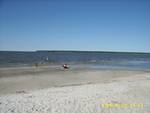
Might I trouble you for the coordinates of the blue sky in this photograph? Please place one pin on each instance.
(91, 25)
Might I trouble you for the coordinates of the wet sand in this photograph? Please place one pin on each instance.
(54, 90)
(13, 80)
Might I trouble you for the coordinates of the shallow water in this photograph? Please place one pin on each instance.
(94, 60)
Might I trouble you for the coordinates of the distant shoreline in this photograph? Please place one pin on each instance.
(135, 52)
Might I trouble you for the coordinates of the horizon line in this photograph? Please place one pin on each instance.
(71, 51)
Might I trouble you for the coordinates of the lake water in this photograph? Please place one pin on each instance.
(96, 60)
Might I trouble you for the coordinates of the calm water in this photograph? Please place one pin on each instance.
(97, 60)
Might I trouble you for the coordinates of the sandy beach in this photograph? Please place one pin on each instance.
(54, 90)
